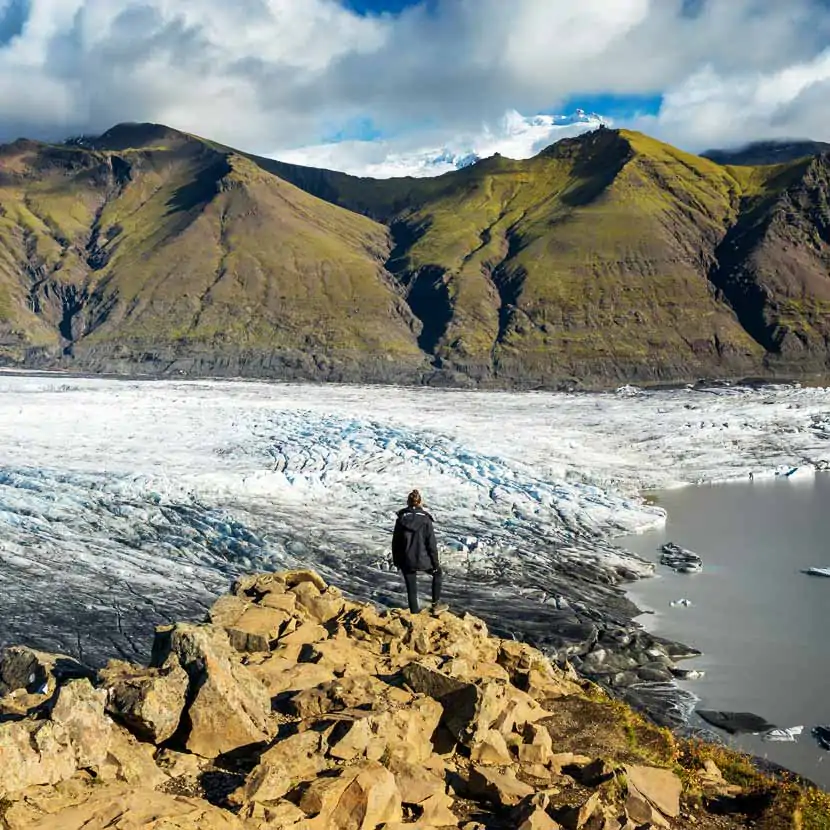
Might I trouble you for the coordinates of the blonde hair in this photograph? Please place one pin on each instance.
(414, 499)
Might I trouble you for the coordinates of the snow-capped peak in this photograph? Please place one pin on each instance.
(515, 136)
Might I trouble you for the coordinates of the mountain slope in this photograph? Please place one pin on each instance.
(607, 258)
(768, 152)
(170, 246)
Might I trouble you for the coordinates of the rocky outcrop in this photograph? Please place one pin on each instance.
(293, 707)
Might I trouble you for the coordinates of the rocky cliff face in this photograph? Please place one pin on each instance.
(607, 258)
(291, 707)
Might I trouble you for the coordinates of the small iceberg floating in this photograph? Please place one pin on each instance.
(817, 572)
(783, 736)
(681, 560)
(681, 603)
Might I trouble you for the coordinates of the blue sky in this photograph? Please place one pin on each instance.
(274, 78)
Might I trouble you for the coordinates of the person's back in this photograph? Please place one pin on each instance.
(415, 550)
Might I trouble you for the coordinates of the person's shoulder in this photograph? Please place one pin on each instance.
(427, 514)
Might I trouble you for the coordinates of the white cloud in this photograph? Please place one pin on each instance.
(711, 109)
(280, 74)
(514, 136)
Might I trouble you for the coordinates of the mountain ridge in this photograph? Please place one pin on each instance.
(607, 258)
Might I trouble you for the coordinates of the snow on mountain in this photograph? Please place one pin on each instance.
(515, 136)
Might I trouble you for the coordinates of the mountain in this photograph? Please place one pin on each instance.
(606, 258)
(515, 136)
(768, 152)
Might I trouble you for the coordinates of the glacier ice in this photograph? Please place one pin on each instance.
(126, 503)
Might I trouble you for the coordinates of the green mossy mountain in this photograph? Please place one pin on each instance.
(607, 258)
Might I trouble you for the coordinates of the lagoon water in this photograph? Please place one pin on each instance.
(763, 626)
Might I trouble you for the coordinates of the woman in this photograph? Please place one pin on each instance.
(414, 549)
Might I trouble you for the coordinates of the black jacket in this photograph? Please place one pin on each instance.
(413, 542)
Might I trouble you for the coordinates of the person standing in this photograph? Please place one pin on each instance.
(415, 550)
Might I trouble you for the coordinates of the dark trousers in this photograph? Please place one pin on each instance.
(411, 580)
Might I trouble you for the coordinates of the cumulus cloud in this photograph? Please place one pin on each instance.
(277, 75)
(514, 136)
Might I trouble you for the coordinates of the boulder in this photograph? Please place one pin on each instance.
(661, 787)
(350, 692)
(79, 711)
(490, 749)
(361, 797)
(119, 807)
(280, 676)
(230, 707)
(416, 783)
(149, 702)
(37, 672)
(394, 733)
(575, 818)
(34, 753)
(131, 762)
(502, 789)
(321, 606)
(280, 815)
(287, 763)
(306, 634)
(532, 814)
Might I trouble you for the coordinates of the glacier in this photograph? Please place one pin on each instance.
(128, 503)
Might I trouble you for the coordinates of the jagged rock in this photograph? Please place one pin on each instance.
(250, 627)
(532, 814)
(129, 761)
(575, 818)
(355, 692)
(415, 782)
(79, 710)
(37, 672)
(281, 815)
(395, 733)
(120, 807)
(230, 707)
(280, 676)
(149, 702)
(306, 634)
(321, 606)
(499, 788)
(359, 798)
(537, 748)
(436, 812)
(660, 786)
(490, 749)
(34, 753)
(471, 710)
(287, 763)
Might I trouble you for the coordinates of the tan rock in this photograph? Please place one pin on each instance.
(257, 629)
(149, 702)
(180, 764)
(577, 817)
(227, 610)
(281, 602)
(490, 749)
(34, 753)
(660, 786)
(295, 578)
(280, 676)
(532, 814)
(350, 692)
(281, 815)
(437, 811)
(118, 808)
(230, 706)
(499, 788)
(286, 764)
(415, 782)
(306, 634)
(129, 761)
(395, 733)
(79, 709)
(360, 798)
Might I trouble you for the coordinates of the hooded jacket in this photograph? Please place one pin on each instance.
(413, 541)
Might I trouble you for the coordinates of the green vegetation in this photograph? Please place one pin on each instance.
(606, 258)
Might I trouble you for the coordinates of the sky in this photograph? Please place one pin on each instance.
(363, 82)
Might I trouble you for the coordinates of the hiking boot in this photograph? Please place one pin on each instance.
(438, 608)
